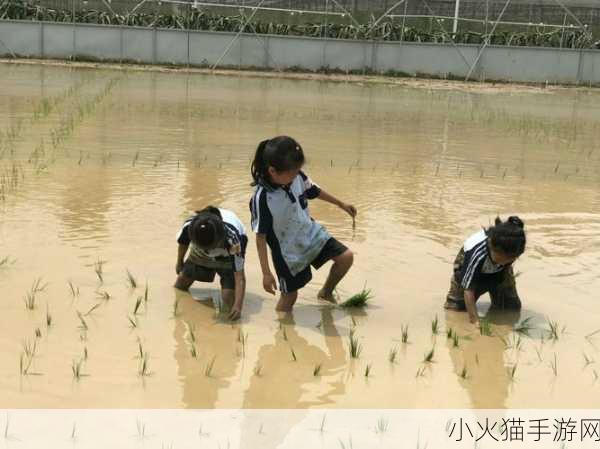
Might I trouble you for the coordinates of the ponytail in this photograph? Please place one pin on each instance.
(282, 153)
(259, 169)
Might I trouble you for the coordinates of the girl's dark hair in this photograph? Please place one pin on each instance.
(282, 153)
(508, 236)
(206, 229)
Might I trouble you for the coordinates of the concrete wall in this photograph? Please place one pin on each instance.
(199, 48)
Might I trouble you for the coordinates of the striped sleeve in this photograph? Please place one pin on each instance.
(262, 220)
(311, 189)
(474, 259)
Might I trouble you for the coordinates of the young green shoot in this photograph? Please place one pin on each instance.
(258, 370)
(368, 370)
(138, 303)
(553, 329)
(94, 307)
(429, 356)
(455, 340)
(209, 367)
(48, 316)
(131, 279)
(435, 325)
(38, 333)
(358, 300)
(512, 371)
(588, 360)
(144, 369)
(31, 295)
(317, 370)
(191, 332)
(485, 328)
(76, 369)
(146, 294)
(294, 357)
(554, 365)
(524, 327)
(104, 295)
(99, 269)
(393, 354)
(74, 290)
(355, 347)
(83, 324)
(404, 329)
(176, 307)
(464, 374)
(382, 426)
(132, 322)
(193, 352)
(449, 333)
(420, 372)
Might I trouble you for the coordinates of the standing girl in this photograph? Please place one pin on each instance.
(484, 264)
(281, 219)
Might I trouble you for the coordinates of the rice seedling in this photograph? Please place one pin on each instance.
(76, 369)
(382, 426)
(141, 429)
(587, 360)
(85, 353)
(30, 296)
(317, 370)
(132, 280)
(5, 261)
(29, 348)
(464, 374)
(94, 307)
(144, 368)
(48, 316)
(322, 427)
(592, 334)
(74, 290)
(512, 372)
(103, 295)
(477, 358)
(135, 158)
(485, 328)
(83, 324)
(553, 329)
(191, 331)
(420, 372)
(554, 365)
(539, 354)
(455, 340)
(435, 325)
(429, 356)
(404, 329)
(140, 354)
(74, 432)
(258, 370)
(38, 333)
(393, 354)
(209, 367)
(193, 352)
(358, 300)
(243, 340)
(595, 375)
(524, 327)
(138, 303)
(294, 357)
(99, 269)
(284, 334)
(355, 347)
(368, 370)
(146, 294)
(132, 322)
(176, 307)
(449, 333)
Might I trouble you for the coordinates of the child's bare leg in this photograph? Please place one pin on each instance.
(228, 296)
(286, 302)
(341, 265)
(183, 282)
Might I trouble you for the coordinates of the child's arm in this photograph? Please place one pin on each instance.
(269, 283)
(327, 197)
(470, 304)
(240, 291)
(181, 250)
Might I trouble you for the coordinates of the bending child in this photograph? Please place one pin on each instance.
(217, 242)
(484, 264)
(281, 219)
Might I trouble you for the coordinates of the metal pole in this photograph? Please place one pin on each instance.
(456, 10)
(73, 21)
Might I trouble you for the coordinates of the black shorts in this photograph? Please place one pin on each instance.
(203, 274)
(289, 283)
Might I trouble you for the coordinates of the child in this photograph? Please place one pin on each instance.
(281, 219)
(484, 264)
(217, 241)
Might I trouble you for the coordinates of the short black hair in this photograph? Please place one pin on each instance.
(508, 236)
(206, 229)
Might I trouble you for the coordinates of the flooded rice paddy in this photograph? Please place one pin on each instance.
(99, 168)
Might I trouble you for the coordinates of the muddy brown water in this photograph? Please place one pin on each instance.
(105, 165)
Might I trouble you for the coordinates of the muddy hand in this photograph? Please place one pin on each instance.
(235, 313)
(269, 283)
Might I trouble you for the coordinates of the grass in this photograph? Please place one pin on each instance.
(76, 369)
(355, 347)
(132, 322)
(138, 303)
(404, 329)
(317, 370)
(393, 354)
(358, 300)
(435, 325)
(131, 279)
(83, 324)
(30, 296)
(368, 370)
(74, 290)
(144, 367)
(524, 327)
(554, 365)
(455, 340)
(429, 356)
(99, 269)
(382, 426)
(485, 328)
(48, 316)
(209, 367)
(294, 357)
